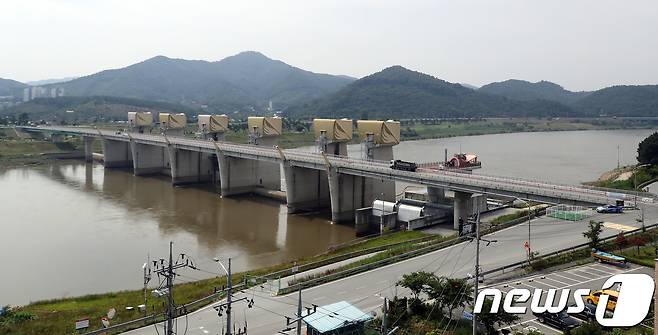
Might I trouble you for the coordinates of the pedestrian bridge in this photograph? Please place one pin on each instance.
(311, 180)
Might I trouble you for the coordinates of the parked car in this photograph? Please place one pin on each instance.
(561, 320)
(403, 165)
(588, 313)
(593, 298)
(610, 209)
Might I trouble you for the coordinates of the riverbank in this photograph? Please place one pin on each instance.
(18, 151)
(626, 178)
(58, 316)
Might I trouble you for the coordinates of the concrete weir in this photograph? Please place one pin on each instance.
(306, 189)
(89, 150)
(189, 167)
(241, 176)
(116, 154)
(148, 159)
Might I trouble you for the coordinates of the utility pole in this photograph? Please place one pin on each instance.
(476, 283)
(477, 266)
(170, 296)
(299, 312)
(384, 320)
(298, 319)
(168, 270)
(228, 300)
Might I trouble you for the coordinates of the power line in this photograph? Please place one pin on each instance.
(167, 269)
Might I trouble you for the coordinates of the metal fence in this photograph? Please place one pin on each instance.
(569, 213)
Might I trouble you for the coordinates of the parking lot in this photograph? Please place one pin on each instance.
(591, 276)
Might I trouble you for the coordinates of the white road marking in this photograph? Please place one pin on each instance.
(555, 280)
(341, 292)
(546, 326)
(601, 271)
(318, 298)
(577, 275)
(561, 276)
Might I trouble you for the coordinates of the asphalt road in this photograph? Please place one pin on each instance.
(590, 276)
(366, 290)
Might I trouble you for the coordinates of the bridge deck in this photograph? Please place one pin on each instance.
(456, 181)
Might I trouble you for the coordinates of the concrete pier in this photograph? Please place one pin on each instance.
(240, 176)
(116, 154)
(379, 188)
(436, 195)
(467, 205)
(462, 209)
(89, 148)
(349, 193)
(189, 167)
(148, 159)
(306, 189)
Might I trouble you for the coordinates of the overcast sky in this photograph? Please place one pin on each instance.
(582, 45)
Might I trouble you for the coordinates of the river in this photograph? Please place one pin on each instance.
(70, 228)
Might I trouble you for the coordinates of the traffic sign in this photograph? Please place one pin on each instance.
(468, 316)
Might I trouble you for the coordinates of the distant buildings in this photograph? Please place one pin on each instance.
(34, 92)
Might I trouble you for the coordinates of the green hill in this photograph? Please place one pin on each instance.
(621, 101)
(400, 93)
(13, 88)
(526, 91)
(246, 80)
(90, 109)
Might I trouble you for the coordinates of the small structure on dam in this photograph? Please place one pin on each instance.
(213, 126)
(405, 214)
(172, 124)
(332, 135)
(264, 130)
(378, 138)
(140, 122)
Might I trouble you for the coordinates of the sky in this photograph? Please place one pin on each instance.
(581, 45)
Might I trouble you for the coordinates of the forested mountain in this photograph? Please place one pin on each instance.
(246, 79)
(620, 101)
(400, 93)
(525, 91)
(11, 87)
(90, 109)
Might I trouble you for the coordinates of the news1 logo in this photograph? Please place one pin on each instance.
(633, 302)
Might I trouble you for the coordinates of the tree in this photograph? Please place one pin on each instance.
(456, 293)
(23, 119)
(415, 281)
(620, 241)
(637, 241)
(588, 328)
(647, 150)
(593, 232)
(493, 320)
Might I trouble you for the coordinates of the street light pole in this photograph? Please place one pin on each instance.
(229, 286)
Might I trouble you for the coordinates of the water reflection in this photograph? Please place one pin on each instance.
(95, 221)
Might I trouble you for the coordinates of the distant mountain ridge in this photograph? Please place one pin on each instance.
(246, 79)
(10, 87)
(398, 93)
(49, 81)
(524, 91)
